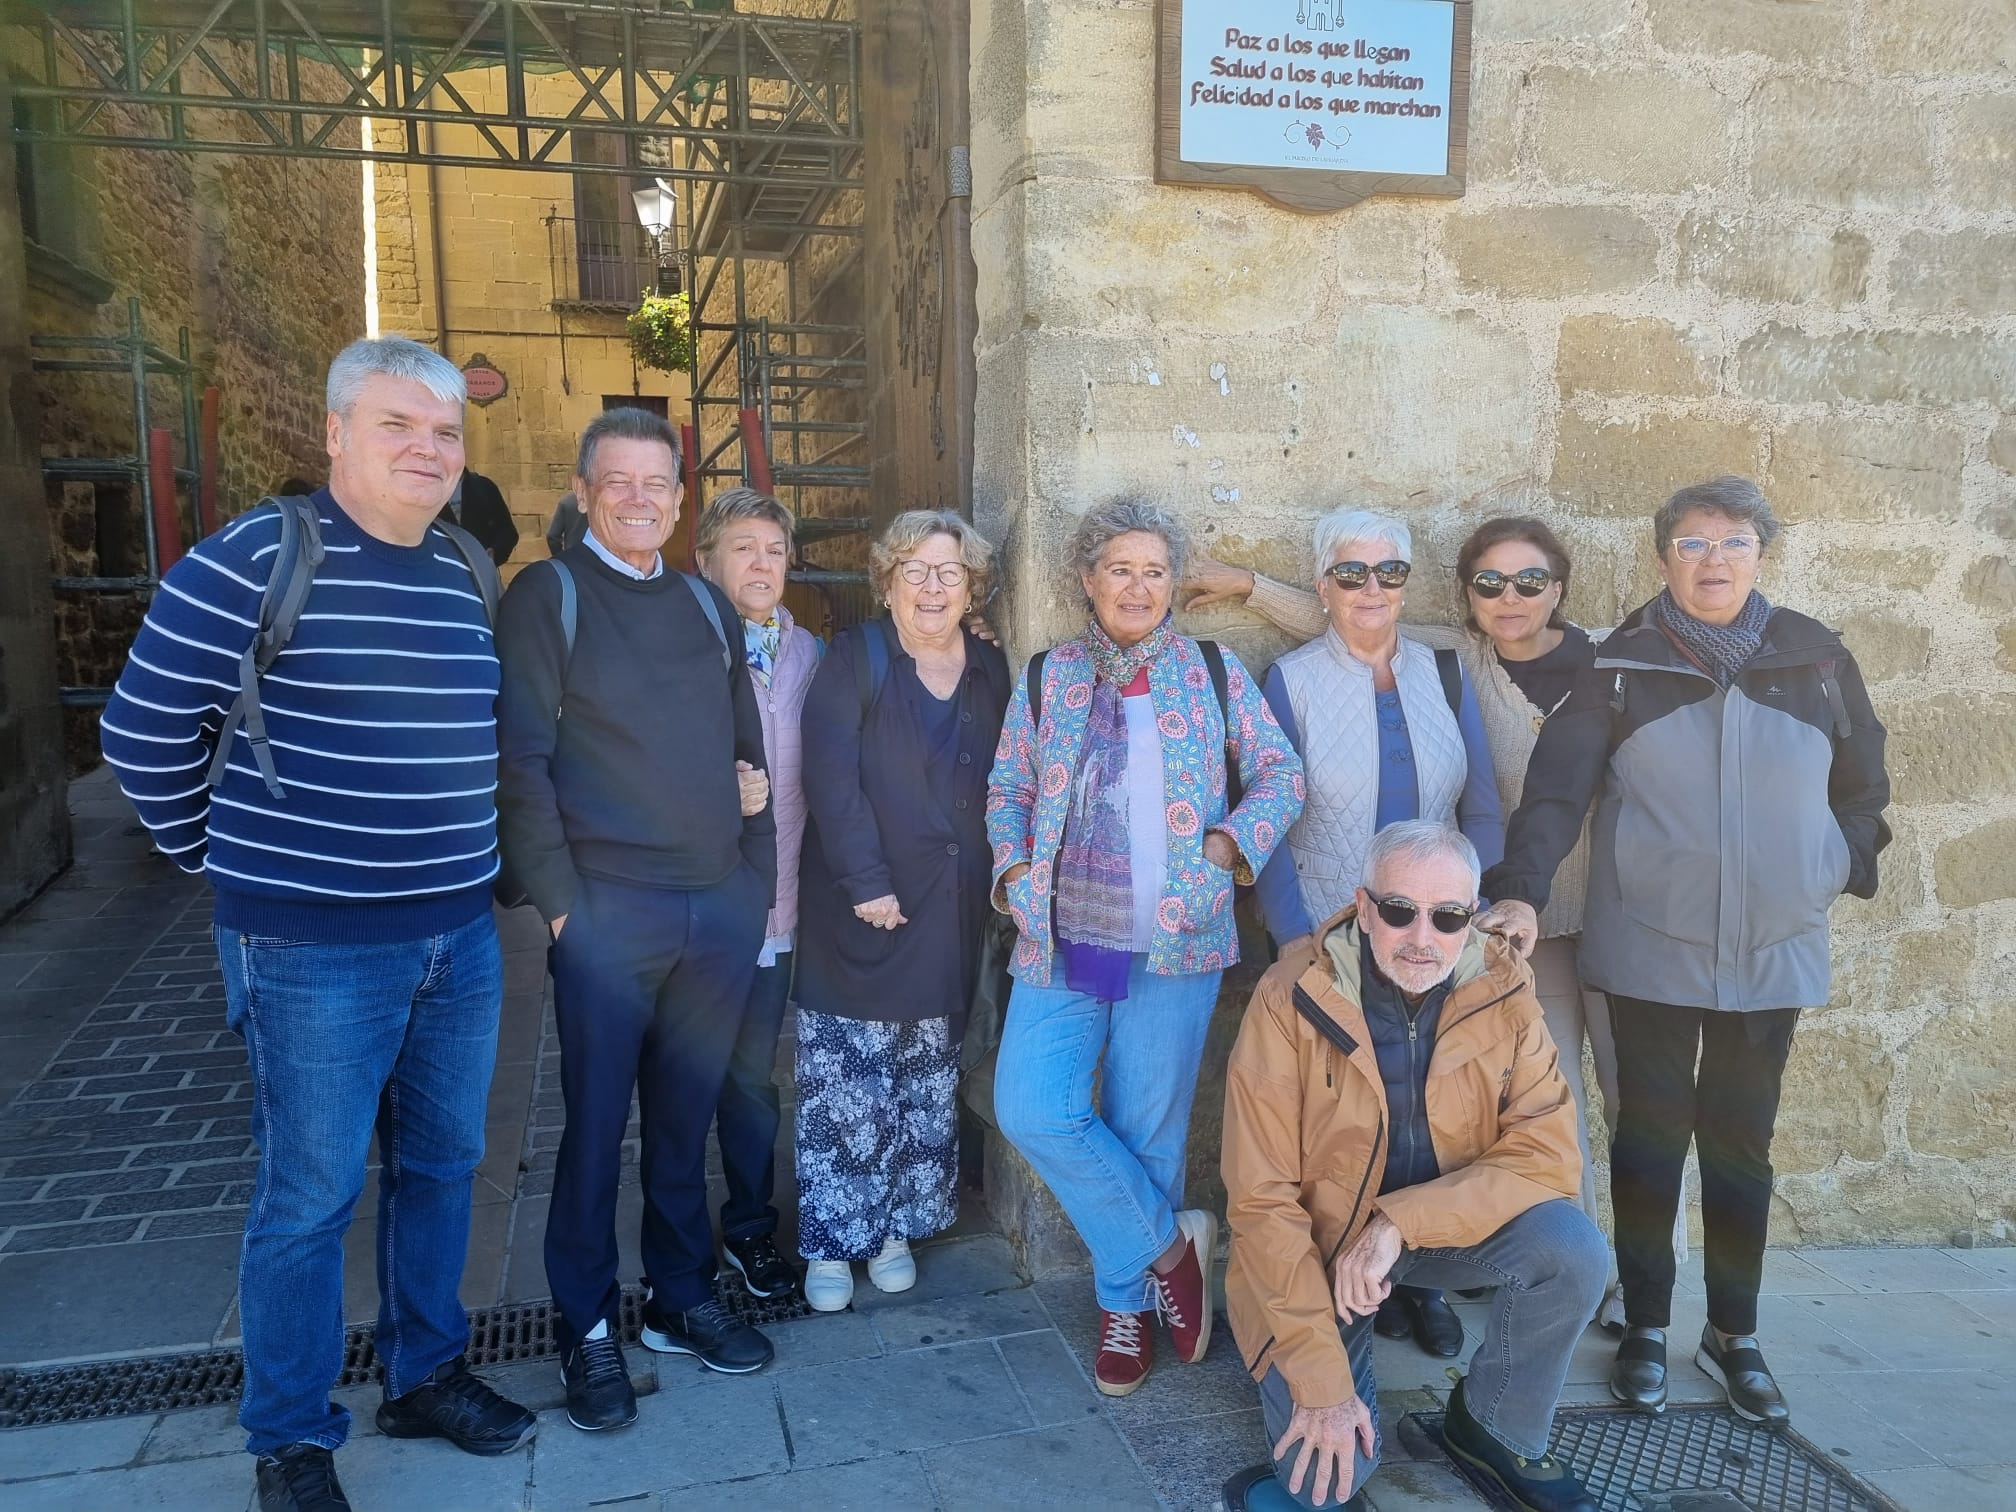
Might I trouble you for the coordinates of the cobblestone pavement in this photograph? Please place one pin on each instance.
(970, 1393)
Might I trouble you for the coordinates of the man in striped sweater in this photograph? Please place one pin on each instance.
(353, 919)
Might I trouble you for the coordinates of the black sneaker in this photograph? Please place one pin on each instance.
(457, 1404)
(599, 1394)
(765, 1272)
(300, 1478)
(1753, 1394)
(1545, 1484)
(711, 1333)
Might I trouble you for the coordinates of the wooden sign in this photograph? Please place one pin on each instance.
(1315, 104)
(485, 380)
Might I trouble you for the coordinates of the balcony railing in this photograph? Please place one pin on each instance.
(606, 265)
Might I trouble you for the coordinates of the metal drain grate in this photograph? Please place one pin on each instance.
(213, 1377)
(1689, 1459)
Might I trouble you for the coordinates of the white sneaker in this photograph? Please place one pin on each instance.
(895, 1269)
(829, 1285)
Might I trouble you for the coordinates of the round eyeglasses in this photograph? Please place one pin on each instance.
(917, 574)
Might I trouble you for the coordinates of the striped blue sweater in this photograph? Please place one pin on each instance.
(381, 716)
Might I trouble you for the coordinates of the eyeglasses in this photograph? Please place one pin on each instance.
(1737, 548)
(1400, 913)
(917, 574)
(1391, 574)
(1530, 581)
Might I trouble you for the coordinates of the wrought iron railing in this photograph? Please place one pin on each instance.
(607, 264)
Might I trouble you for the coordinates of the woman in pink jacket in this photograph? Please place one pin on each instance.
(743, 542)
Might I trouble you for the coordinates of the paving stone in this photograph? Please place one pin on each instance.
(1054, 1385)
(41, 1212)
(1406, 1487)
(891, 1483)
(1189, 1460)
(1050, 1470)
(167, 1200)
(690, 1431)
(958, 1267)
(917, 1400)
(108, 1181)
(144, 1081)
(1997, 1263)
(1899, 1270)
(195, 1433)
(1849, 1425)
(1980, 1489)
(221, 1484)
(62, 1236)
(955, 1320)
(823, 1339)
(21, 1189)
(180, 1097)
(227, 1219)
(1927, 1332)
(58, 1165)
(86, 1302)
(1962, 1416)
(429, 1474)
(92, 1445)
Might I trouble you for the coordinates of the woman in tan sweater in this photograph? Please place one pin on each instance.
(1522, 655)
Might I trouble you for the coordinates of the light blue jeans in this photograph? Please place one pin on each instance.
(1117, 1168)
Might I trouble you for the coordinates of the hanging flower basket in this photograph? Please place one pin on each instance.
(661, 333)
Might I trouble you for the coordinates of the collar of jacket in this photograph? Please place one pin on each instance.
(1488, 996)
(1790, 640)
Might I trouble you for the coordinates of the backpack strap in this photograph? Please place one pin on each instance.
(1036, 664)
(280, 607)
(477, 559)
(1830, 685)
(570, 607)
(712, 610)
(1451, 672)
(1221, 684)
(871, 670)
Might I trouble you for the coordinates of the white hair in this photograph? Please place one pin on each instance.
(1419, 840)
(394, 357)
(1341, 527)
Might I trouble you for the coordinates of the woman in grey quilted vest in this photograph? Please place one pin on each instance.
(1522, 655)
(1387, 731)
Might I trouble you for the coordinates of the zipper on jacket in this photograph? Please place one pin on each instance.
(1371, 1165)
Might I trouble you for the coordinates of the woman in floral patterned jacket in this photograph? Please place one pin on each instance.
(1118, 834)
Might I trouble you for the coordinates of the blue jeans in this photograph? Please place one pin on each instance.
(1118, 1169)
(343, 1038)
(1549, 1266)
(749, 1112)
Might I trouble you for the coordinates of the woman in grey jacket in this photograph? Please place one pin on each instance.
(1740, 768)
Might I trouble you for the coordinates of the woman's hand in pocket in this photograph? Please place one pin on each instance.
(883, 912)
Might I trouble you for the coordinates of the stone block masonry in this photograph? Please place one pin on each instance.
(1699, 236)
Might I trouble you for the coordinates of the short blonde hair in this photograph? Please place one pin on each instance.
(912, 529)
(725, 508)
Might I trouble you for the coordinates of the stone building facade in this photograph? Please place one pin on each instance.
(1699, 236)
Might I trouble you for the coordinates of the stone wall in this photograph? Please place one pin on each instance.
(262, 259)
(1700, 236)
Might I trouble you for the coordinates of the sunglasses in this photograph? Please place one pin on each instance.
(1391, 574)
(1400, 913)
(1491, 583)
(1736, 548)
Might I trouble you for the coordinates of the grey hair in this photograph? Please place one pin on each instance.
(625, 424)
(1341, 527)
(1103, 524)
(912, 529)
(1420, 840)
(724, 509)
(1737, 498)
(393, 357)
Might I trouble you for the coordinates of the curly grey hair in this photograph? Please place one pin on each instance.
(1103, 524)
(912, 529)
(1735, 498)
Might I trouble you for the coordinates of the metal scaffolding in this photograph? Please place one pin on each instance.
(759, 116)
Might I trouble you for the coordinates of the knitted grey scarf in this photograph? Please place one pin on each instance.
(1723, 650)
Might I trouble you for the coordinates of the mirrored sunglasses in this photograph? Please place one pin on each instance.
(1491, 583)
(1391, 574)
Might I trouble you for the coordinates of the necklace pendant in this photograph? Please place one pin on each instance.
(1538, 721)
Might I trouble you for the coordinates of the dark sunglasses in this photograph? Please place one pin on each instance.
(1391, 574)
(1530, 581)
(1400, 913)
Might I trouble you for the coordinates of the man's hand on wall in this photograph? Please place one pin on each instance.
(1210, 581)
(1360, 1280)
(1328, 1435)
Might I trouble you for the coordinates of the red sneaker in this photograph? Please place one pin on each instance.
(1183, 1297)
(1125, 1353)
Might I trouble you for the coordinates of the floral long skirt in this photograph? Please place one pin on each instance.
(877, 1135)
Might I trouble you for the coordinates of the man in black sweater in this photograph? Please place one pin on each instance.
(619, 812)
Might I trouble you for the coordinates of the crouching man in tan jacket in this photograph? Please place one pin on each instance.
(1395, 1110)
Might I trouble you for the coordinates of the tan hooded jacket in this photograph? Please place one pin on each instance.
(1306, 1131)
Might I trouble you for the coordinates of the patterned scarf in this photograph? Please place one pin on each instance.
(1095, 875)
(760, 645)
(1722, 650)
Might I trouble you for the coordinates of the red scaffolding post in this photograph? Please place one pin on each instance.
(167, 512)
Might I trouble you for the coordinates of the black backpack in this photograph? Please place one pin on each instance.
(280, 609)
